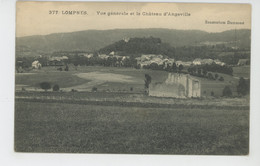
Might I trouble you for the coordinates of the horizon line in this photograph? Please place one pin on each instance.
(130, 29)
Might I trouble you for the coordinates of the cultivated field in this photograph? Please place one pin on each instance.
(115, 79)
(65, 127)
(87, 77)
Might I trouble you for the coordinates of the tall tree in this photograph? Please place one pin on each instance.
(216, 76)
(205, 72)
(180, 67)
(147, 81)
(174, 67)
(243, 86)
(227, 91)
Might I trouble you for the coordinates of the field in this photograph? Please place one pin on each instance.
(115, 79)
(33, 79)
(66, 127)
(83, 78)
(241, 71)
(120, 118)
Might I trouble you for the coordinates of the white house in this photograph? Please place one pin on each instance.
(197, 61)
(207, 61)
(218, 62)
(157, 60)
(36, 65)
(103, 56)
(178, 63)
(112, 53)
(88, 55)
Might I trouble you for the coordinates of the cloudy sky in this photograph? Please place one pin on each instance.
(34, 18)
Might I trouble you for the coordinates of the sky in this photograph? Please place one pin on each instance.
(35, 18)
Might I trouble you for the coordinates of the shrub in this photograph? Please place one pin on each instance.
(94, 89)
(243, 86)
(131, 89)
(210, 76)
(221, 79)
(60, 69)
(45, 85)
(227, 91)
(66, 68)
(56, 87)
(180, 67)
(73, 90)
(147, 81)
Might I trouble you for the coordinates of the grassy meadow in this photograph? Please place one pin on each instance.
(56, 127)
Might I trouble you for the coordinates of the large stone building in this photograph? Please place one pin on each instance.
(178, 86)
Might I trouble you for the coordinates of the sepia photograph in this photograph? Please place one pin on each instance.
(132, 78)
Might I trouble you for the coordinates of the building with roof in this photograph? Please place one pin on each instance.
(197, 61)
(36, 65)
(243, 62)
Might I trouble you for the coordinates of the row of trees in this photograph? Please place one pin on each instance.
(202, 70)
(195, 70)
(46, 86)
(243, 88)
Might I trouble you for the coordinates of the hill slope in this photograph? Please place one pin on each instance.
(91, 40)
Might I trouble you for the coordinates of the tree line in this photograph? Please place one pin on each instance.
(202, 70)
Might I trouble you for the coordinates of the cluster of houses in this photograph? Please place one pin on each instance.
(147, 59)
(52, 61)
(112, 55)
(87, 55)
(142, 61)
(117, 60)
(105, 56)
(61, 60)
(57, 61)
(199, 61)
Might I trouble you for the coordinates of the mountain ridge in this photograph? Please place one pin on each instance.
(93, 40)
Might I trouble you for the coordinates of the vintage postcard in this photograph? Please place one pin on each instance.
(132, 78)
